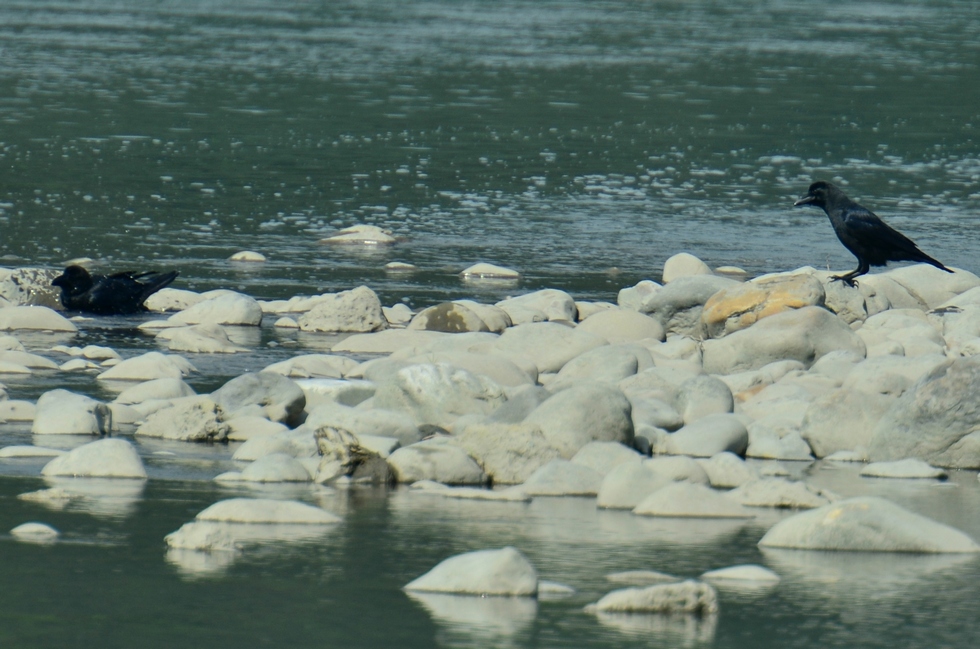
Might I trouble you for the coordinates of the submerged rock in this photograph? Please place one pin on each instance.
(907, 468)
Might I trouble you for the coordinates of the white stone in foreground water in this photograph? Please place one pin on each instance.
(227, 308)
(907, 468)
(200, 339)
(151, 365)
(503, 572)
(747, 572)
(60, 412)
(689, 596)
(867, 524)
(247, 256)
(38, 318)
(35, 533)
(489, 271)
(357, 310)
(265, 510)
(275, 467)
(105, 458)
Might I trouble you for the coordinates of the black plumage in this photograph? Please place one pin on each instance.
(871, 240)
(115, 294)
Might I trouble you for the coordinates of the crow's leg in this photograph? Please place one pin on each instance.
(848, 278)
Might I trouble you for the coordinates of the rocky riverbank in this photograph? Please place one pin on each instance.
(650, 404)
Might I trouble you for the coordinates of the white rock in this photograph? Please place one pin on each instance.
(105, 458)
(608, 363)
(362, 422)
(508, 452)
(503, 572)
(275, 467)
(16, 410)
(27, 359)
(247, 256)
(30, 451)
(313, 366)
(360, 235)
(678, 467)
(200, 339)
(390, 341)
(619, 325)
(866, 524)
(555, 304)
(684, 264)
(241, 429)
(581, 414)
(908, 468)
(151, 365)
(563, 478)
(484, 270)
(932, 286)
(688, 500)
(356, 311)
(60, 412)
(299, 443)
(263, 510)
(747, 572)
(803, 335)
(398, 315)
(494, 317)
(497, 368)
(679, 304)
(263, 393)
(688, 597)
(190, 419)
(891, 375)
(704, 395)
(450, 317)
(637, 297)
(603, 457)
(709, 436)
(79, 365)
(435, 459)
(286, 322)
(640, 577)
(35, 532)
(172, 299)
(228, 308)
(628, 484)
(38, 318)
(778, 492)
(167, 388)
(438, 393)
(726, 470)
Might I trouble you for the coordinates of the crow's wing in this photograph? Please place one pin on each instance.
(873, 234)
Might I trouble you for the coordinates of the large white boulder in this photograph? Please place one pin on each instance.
(151, 365)
(623, 325)
(802, 335)
(105, 458)
(508, 452)
(228, 308)
(435, 459)
(60, 412)
(167, 388)
(866, 524)
(37, 318)
(938, 420)
(843, 420)
(584, 413)
(503, 572)
(190, 419)
(262, 393)
(200, 339)
(548, 345)
(438, 393)
(357, 310)
(709, 436)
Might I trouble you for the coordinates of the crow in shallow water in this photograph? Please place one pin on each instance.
(870, 239)
(114, 294)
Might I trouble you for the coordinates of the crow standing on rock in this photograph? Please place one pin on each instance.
(115, 294)
(870, 239)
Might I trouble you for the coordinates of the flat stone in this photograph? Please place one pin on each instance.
(866, 524)
(151, 365)
(35, 532)
(747, 572)
(907, 468)
(778, 492)
(248, 256)
(484, 270)
(37, 318)
(167, 388)
(200, 339)
(264, 511)
(275, 467)
(360, 235)
(227, 308)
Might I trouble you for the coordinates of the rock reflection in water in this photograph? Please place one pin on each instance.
(669, 630)
(470, 621)
(102, 497)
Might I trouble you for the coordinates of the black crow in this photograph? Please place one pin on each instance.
(870, 239)
(114, 294)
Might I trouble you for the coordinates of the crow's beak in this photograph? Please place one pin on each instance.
(805, 200)
(58, 281)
